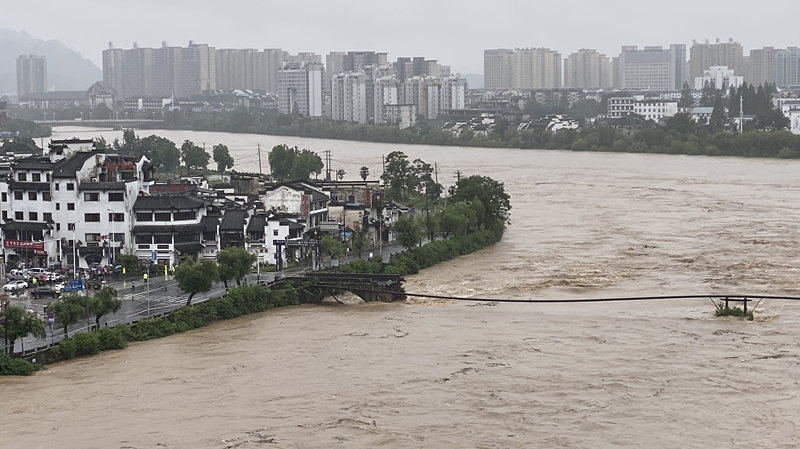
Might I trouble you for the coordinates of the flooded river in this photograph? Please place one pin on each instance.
(445, 374)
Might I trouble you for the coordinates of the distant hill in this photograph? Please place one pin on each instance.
(66, 69)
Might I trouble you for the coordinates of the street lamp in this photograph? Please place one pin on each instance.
(113, 250)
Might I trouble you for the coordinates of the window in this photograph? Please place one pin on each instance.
(144, 216)
(5, 215)
(144, 238)
(19, 216)
(163, 216)
(116, 196)
(47, 178)
(17, 194)
(22, 176)
(70, 206)
(58, 186)
(46, 196)
(93, 218)
(36, 177)
(116, 217)
(184, 216)
(163, 238)
(32, 196)
(91, 196)
(33, 216)
(70, 186)
(47, 216)
(70, 227)
(118, 237)
(5, 197)
(275, 232)
(92, 237)
(58, 226)
(58, 206)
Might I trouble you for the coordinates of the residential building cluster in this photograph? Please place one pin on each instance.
(650, 68)
(76, 206)
(357, 86)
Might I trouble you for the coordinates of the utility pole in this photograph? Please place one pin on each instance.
(741, 114)
(458, 175)
(259, 159)
(328, 165)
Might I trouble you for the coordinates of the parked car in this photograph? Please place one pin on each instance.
(14, 286)
(42, 292)
(56, 277)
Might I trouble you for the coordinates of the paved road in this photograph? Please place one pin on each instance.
(162, 296)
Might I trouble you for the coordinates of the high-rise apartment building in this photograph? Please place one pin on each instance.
(761, 68)
(385, 92)
(454, 93)
(702, 56)
(349, 97)
(497, 68)
(587, 69)
(300, 89)
(787, 67)
(31, 74)
(652, 68)
(535, 68)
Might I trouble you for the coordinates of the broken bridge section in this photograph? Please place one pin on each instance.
(313, 287)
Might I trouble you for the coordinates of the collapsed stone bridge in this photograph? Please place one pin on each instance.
(313, 287)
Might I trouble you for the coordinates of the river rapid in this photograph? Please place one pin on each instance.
(429, 373)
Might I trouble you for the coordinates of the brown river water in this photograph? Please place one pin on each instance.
(431, 373)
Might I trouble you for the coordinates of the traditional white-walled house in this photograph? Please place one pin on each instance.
(169, 227)
(303, 199)
(73, 201)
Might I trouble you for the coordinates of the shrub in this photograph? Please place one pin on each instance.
(12, 366)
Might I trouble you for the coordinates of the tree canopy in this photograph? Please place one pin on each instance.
(103, 302)
(193, 156)
(70, 309)
(196, 277)
(234, 263)
(491, 194)
(19, 324)
(291, 164)
(222, 157)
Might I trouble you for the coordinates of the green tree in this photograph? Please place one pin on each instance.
(305, 163)
(359, 242)
(103, 302)
(718, 118)
(70, 309)
(333, 247)
(233, 263)
(686, 101)
(409, 231)
(163, 153)
(397, 175)
(19, 324)
(496, 202)
(364, 172)
(223, 158)
(681, 123)
(193, 156)
(196, 277)
(281, 158)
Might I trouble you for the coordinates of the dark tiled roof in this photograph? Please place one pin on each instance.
(167, 229)
(209, 223)
(66, 168)
(189, 247)
(292, 225)
(41, 186)
(233, 220)
(101, 186)
(34, 163)
(257, 223)
(25, 226)
(168, 202)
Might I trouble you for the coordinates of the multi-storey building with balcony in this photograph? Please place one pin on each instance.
(71, 206)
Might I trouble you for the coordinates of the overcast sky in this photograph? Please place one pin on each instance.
(453, 32)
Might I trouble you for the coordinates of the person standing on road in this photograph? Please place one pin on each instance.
(133, 289)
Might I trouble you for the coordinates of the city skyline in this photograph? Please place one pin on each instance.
(454, 36)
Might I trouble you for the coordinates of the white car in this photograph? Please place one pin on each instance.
(15, 286)
(59, 288)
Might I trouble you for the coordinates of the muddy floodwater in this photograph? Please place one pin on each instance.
(436, 373)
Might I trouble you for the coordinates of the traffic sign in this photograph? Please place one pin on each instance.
(75, 284)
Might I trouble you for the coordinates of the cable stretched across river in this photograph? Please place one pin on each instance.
(556, 301)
